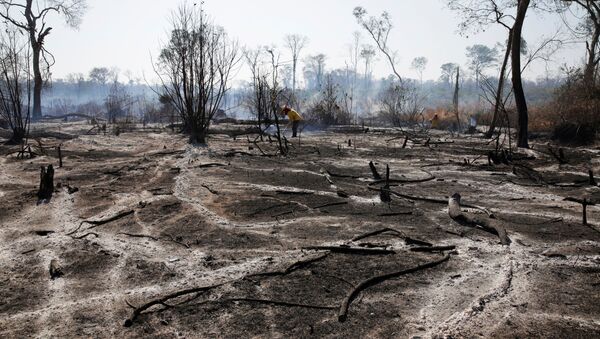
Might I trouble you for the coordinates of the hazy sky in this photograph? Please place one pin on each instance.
(124, 33)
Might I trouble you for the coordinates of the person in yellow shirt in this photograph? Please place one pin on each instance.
(294, 117)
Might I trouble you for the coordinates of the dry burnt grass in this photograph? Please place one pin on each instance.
(232, 236)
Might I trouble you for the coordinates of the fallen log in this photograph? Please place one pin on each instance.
(335, 175)
(402, 181)
(454, 211)
(294, 192)
(412, 241)
(433, 248)
(351, 250)
(212, 164)
(276, 303)
(138, 235)
(343, 310)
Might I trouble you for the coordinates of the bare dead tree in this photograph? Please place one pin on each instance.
(295, 43)
(265, 92)
(194, 68)
(117, 102)
(354, 54)
(476, 15)
(314, 70)
(30, 17)
(379, 29)
(400, 104)
(479, 14)
(15, 84)
(448, 72)
(419, 64)
(275, 94)
(588, 29)
(257, 100)
(455, 97)
(328, 109)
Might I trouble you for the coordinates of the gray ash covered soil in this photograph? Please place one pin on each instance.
(191, 225)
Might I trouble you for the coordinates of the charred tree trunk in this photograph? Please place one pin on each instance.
(592, 61)
(37, 82)
(46, 183)
(500, 88)
(593, 17)
(523, 120)
(455, 98)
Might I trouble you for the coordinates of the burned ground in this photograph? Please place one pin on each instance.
(254, 229)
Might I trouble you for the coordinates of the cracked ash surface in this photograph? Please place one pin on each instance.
(190, 217)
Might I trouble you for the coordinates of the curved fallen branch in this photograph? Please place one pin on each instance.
(162, 301)
(377, 232)
(85, 235)
(291, 268)
(396, 233)
(96, 223)
(343, 310)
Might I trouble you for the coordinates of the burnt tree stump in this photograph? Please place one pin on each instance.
(376, 175)
(46, 183)
(384, 193)
(592, 180)
(584, 204)
(60, 162)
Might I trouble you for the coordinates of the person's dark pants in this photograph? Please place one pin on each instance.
(295, 128)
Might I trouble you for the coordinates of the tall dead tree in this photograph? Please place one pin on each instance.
(455, 98)
(520, 101)
(588, 30)
(257, 100)
(15, 84)
(194, 69)
(500, 87)
(29, 16)
(295, 44)
(274, 99)
(478, 14)
(379, 29)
